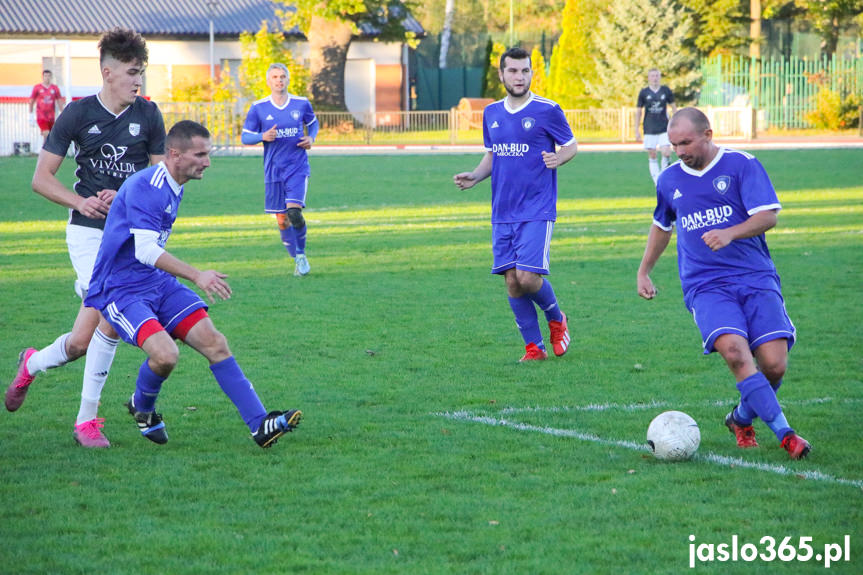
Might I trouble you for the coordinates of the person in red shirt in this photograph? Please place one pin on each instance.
(45, 97)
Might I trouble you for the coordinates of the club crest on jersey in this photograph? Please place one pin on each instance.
(295, 114)
(721, 184)
(528, 123)
(134, 128)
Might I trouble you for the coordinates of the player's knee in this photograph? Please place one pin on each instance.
(774, 370)
(282, 221)
(295, 215)
(163, 358)
(214, 346)
(734, 351)
(76, 346)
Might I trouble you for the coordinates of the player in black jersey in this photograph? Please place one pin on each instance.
(655, 99)
(115, 133)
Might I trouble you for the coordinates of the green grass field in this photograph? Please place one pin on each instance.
(426, 447)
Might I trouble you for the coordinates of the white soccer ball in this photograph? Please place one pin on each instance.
(673, 436)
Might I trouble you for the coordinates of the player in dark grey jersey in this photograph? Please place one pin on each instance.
(655, 99)
(115, 134)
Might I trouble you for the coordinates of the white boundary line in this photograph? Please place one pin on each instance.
(658, 404)
(709, 457)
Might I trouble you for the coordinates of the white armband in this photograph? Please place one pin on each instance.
(147, 248)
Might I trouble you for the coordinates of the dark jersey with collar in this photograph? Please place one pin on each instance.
(108, 148)
(654, 104)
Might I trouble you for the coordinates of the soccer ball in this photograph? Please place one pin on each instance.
(673, 436)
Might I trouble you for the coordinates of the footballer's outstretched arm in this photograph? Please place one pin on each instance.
(466, 180)
(657, 241)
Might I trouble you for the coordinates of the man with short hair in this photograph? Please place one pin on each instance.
(655, 99)
(135, 287)
(287, 126)
(116, 133)
(722, 202)
(526, 139)
(46, 98)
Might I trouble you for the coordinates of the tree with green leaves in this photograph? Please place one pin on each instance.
(719, 26)
(493, 86)
(261, 49)
(829, 18)
(330, 26)
(573, 66)
(636, 35)
(539, 84)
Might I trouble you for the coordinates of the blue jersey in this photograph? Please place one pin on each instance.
(522, 188)
(282, 157)
(148, 200)
(733, 187)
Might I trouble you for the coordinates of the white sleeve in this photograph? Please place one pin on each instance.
(147, 248)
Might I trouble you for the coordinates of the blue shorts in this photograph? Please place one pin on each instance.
(278, 194)
(756, 314)
(523, 245)
(168, 305)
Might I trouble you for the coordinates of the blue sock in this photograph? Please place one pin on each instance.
(547, 301)
(526, 320)
(743, 413)
(300, 234)
(240, 391)
(757, 392)
(288, 240)
(147, 388)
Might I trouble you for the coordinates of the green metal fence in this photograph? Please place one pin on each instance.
(782, 90)
(445, 127)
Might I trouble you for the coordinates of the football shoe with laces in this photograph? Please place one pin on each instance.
(275, 425)
(89, 433)
(559, 336)
(303, 266)
(796, 446)
(532, 352)
(17, 390)
(149, 422)
(745, 434)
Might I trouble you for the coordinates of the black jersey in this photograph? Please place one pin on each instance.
(655, 104)
(108, 148)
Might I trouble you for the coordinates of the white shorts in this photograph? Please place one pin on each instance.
(653, 141)
(83, 244)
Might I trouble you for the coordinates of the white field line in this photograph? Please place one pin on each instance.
(708, 457)
(658, 404)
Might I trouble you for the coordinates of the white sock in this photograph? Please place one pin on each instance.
(52, 356)
(663, 162)
(100, 356)
(654, 169)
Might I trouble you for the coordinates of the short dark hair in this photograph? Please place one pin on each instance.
(123, 45)
(180, 135)
(47, 72)
(516, 53)
(695, 116)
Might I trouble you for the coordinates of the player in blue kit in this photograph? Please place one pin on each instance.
(115, 134)
(521, 133)
(287, 125)
(135, 287)
(722, 202)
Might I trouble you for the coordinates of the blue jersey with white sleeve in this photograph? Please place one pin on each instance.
(523, 189)
(148, 201)
(733, 187)
(282, 157)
